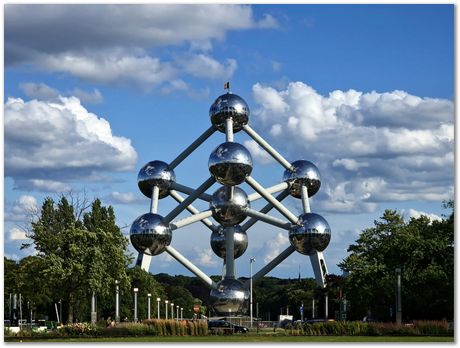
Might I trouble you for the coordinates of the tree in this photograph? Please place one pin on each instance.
(78, 255)
(421, 248)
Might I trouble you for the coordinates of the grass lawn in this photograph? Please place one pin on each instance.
(249, 339)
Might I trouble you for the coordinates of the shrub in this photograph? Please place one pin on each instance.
(79, 329)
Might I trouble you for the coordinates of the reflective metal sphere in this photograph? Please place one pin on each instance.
(240, 241)
(229, 212)
(155, 173)
(312, 234)
(303, 173)
(149, 234)
(229, 105)
(230, 163)
(230, 297)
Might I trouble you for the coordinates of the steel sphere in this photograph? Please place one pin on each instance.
(230, 163)
(155, 173)
(218, 241)
(149, 234)
(312, 234)
(302, 173)
(229, 298)
(229, 105)
(226, 211)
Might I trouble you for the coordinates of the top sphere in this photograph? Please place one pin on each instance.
(302, 173)
(155, 173)
(229, 105)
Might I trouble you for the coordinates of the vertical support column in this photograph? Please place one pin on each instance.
(117, 301)
(305, 199)
(149, 296)
(230, 253)
(135, 304)
(93, 308)
(154, 200)
(229, 129)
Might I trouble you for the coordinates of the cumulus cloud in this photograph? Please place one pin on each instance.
(22, 209)
(48, 144)
(412, 213)
(205, 257)
(17, 234)
(115, 43)
(94, 97)
(257, 152)
(125, 198)
(39, 91)
(370, 147)
(273, 247)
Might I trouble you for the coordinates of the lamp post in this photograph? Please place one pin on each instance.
(398, 296)
(149, 295)
(158, 307)
(136, 290)
(177, 313)
(117, 301)
(172, 310)
(251, 261)
(166, 306)
(181, 313)
(60, 310)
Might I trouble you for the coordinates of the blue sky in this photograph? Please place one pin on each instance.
(365, 92)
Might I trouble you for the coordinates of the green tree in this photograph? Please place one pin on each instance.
(78, 255)
(421, 248)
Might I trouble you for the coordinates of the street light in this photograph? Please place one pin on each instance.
(181, 313)
(251, 261)
(117, 301)
(172, 310)
(177, 312)
(166, 306)
(149, 295)
(158, 307)
(398, 296)
(136, 290)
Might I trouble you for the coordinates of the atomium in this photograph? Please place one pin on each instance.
(227, 210)
(302, 173)
(311, 234)
(218, 241)
(149, 234)
(229, 105)
(230, 163)
(155, 173)
(230, 297)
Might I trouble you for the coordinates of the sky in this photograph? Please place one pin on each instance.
(365, 92)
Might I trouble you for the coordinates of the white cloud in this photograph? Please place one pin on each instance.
(205, 257)
(94, 97)
(268, 21)
(23, 209)
(258, 153)
(412, 213)
(125, 197)
(204, 66)
(369, 147)
(274, 247)
(48, 143)
(17, 234)
(39, 91)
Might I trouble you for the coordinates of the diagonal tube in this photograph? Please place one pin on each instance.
(267, 147)
(188, 190)
(182, 206)
(272, 264)
(305, 199)
(193, 210)
(273, 189)
(265, 210)
(190, 220)
(190, 266)
(276, 204)
(192, 147)
(268, 219)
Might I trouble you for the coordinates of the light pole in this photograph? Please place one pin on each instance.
(166, 306)
(93, 308)
(149, 295)
(60, 310)
(181, 313)
(172, 310)
(117, 301)
(158, 307)
(251, 261)
(398, 296)
(177, 313)
(136, 290)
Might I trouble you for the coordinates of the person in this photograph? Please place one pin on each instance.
(109, 321)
